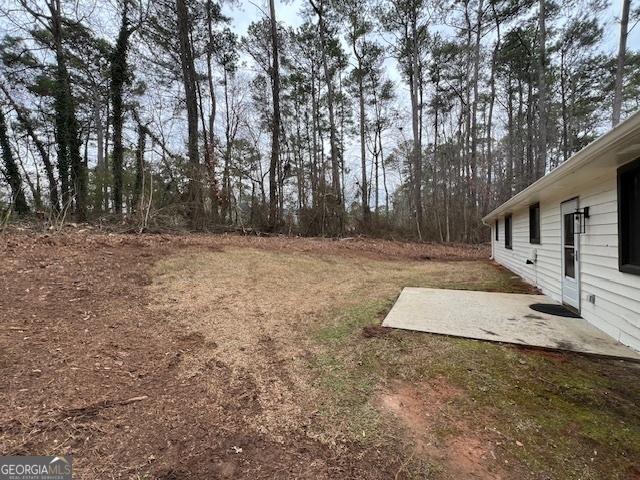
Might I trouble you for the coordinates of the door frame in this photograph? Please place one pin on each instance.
(577, 258)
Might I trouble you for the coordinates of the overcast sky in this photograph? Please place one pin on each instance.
(288, 12)
(101, 14)
(244, 12)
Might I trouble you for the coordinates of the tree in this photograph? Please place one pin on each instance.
(231, 124)
(119, 77)
(541, 164)
(622, 52)
(314, 137)
(51, 35)
(10, 171)
(406, 20)
(190, 92)
(275, 123)
(330, 50)
(140, 167)
(359, 26)
(213, 18)
(27, 124)
(582, 72)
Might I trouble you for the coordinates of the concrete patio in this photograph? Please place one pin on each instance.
(499, 317)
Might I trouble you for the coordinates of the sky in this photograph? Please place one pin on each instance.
(246, 12)
(288, 12)
(243, 12)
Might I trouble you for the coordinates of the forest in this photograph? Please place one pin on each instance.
(384, 117)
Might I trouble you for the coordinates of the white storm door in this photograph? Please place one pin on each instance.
(570, 254)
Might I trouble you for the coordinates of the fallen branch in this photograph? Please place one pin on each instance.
(94, 409)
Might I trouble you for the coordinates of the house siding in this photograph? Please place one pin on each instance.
(617, 295)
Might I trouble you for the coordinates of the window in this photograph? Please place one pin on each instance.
(569, 245)
(629, 217)
(497, 230)
(534, 223)
(507, 232)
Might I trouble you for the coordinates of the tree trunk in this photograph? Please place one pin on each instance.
(563, 102)
(25, 121)
(435, 168)
(190, 93)
(139, 182)
(212, 115)
(314, 158)
(492, 97)
(35, 189)
(415, 122)
(118, 78)
(101, 177)
(226, 182)
(474, 110)
(274, 217)
(521, 179)
(384, 177)
(105, 157)
(11, 170)
(366, 213)
(622, 52)
(510, 143)
(541, 164)
(71, 168)
(336, 201)
(531, 172)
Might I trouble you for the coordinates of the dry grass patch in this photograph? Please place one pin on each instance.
(258, 306)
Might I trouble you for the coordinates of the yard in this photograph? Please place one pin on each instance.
(241, 357)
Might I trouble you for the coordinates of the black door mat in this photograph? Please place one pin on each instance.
(554, 309)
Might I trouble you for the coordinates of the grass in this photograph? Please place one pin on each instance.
(346, 322)
(548, 415)
(576, 417)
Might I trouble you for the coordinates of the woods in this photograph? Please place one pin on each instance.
(404, 117)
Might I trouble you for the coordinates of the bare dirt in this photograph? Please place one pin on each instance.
(199, 356)
(179, 377)
(437, 430)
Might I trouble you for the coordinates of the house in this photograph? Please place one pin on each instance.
(575, 233)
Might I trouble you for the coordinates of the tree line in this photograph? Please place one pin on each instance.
(407, 117)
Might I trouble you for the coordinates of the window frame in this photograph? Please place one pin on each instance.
(497, 233)
(535, 240)
(508, 232)
(623, 253)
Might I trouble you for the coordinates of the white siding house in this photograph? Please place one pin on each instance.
(575, 233)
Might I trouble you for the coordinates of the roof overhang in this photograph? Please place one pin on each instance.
(619, 145)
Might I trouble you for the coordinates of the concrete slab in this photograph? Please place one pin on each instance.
(499, 317)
